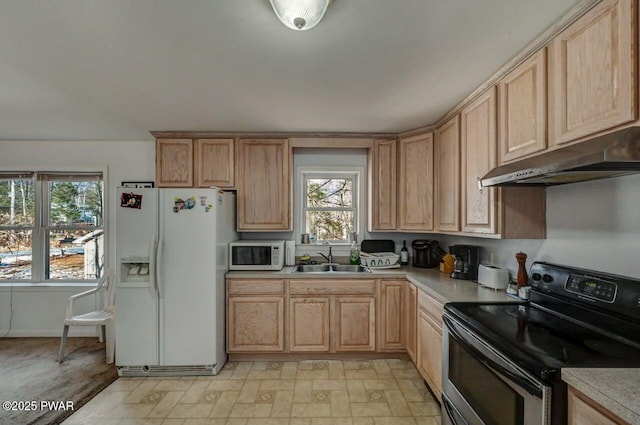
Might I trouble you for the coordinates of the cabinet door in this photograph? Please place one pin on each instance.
(174, 162)
(383, 181)
(584, 411)
(592, 72)
(478, 146)
(214, 161)
(391, 326)
(430, 352)
(411, 312)
(447, 180)
(264, 195)
(355, 323)
(523, 109)
(415, 193)
(309, 324)
(255, 324)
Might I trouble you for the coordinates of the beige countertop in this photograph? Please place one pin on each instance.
(436, 284)
(617, 390)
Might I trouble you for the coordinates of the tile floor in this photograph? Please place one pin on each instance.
(375, 392)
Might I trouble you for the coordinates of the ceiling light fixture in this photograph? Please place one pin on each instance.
(300, 15)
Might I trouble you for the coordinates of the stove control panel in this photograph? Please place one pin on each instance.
(592, 288)
(606, 291)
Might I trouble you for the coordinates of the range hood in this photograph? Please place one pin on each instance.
(611, 155)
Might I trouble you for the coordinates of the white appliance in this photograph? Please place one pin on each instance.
(493, 277)
(171, 250)
(256, 255)
(290, 253)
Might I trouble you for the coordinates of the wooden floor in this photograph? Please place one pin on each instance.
(313, 392)
(29, 371)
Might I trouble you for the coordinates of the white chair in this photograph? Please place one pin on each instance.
(103, 318)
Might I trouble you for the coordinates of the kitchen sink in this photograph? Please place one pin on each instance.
(330, 268)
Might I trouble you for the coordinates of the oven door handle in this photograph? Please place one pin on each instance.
(452, 414)
(532, 387)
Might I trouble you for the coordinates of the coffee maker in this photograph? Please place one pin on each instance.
(467, 261)
(426, 253)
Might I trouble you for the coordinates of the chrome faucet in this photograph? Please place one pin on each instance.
(328, 258)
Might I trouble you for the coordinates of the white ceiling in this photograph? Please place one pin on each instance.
(116, 69)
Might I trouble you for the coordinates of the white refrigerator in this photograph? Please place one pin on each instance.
(172, 256)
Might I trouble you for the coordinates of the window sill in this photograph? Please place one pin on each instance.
(64, 286)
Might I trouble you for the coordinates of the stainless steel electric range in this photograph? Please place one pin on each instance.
(502, 362)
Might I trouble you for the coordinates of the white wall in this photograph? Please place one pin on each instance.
(594, 225)
(39, 310)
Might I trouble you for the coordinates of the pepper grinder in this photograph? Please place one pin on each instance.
(523, 278)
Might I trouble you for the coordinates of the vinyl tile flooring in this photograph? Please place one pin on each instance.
(331, 392)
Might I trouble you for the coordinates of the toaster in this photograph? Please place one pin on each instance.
(493, 277)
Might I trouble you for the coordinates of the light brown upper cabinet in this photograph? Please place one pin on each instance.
(478, 156)
(199, 163)
(214, 163)
(592, 72)
(264, 184)
(447, 181)
(174, 163)
(383, 185)
(415, 191)
(523, 109)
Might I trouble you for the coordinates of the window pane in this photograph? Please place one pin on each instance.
(330, 193)
(330, 225)
(75, 203)
(75, 255)
(17, 200)
(15, 254)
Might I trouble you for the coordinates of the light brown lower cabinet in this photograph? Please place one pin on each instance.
(309, 324)
(411, 320)
(255, 324)
(331, 315)
(584, 411)
(355, 326)
(429, 345)
(255, 315)
(391, 320)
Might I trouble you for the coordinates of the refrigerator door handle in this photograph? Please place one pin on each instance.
(158, 278)
(153, 249)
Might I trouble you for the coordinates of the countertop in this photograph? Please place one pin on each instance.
(617, 390)
(438, 285)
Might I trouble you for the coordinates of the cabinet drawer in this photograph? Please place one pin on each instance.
(431, 307)
(255, 286)
(322, 286)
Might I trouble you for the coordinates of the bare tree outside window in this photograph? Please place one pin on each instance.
(329, 208)
(68, 234)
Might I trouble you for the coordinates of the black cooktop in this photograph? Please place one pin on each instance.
(576, 318)
(541, 342)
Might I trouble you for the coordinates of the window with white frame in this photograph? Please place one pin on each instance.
(51, 226)
(330, 203)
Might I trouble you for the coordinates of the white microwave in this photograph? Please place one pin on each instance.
(256, 255)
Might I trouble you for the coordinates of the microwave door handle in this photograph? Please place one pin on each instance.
(530, 386)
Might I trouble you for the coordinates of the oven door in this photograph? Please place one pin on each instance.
(483, 387)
